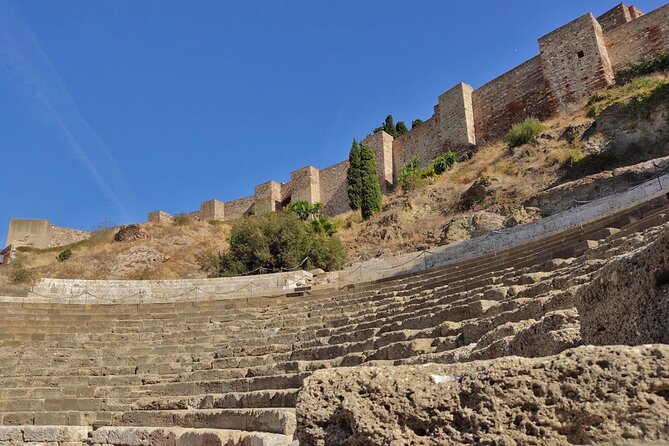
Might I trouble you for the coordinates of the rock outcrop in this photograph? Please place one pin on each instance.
(129, 233)
(586, 395)
(628, 301)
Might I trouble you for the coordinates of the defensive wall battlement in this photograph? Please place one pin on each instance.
(573, 61)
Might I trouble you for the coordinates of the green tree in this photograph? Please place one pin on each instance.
(353, 179)
(389, 126)
(371, 190)
(401, 129)
(274, 241)
(444, 162)
(415, 123)
(304, 210)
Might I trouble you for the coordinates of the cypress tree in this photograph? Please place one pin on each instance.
(353, 177)
(401, 128)
(389, 126)
(371, 190)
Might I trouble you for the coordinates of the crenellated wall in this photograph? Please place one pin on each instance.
(573, 61)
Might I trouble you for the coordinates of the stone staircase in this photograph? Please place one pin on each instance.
(228, 372)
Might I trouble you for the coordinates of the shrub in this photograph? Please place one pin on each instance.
(574, 156)
(444, 162)
(304, 210)
(20, 275)
(643, 67)
(182, 220)
(415, 123)
(353, 178)
(64, 255)
(323, 225)
(272, 242)
(524, 132)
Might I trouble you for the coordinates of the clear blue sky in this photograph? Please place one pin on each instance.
(111, 109)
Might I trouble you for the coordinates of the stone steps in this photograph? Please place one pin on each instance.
(274, 420)
(138, 436)
(218, 368)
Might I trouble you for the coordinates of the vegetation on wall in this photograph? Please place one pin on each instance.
(353, 178)
(415, 123)
(275, 242)
(643, 67)
(523, 132)
(370, 195)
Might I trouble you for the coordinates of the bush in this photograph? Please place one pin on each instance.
(304, 210)
(574, 156)
(415, 123)
(413, 176)
(524, 132)
(272, 242)
(323, 225)
(444, 162)
(20, 275)
(643, 67)
(64, 255)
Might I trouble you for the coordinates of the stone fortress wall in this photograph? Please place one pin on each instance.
(40, 233)
(573, 60)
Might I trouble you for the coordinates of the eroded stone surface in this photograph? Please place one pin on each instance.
(586, 395)
(628, 301)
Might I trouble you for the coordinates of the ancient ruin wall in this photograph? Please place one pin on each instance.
(305, 185)
(334, 196)
(575, 61)
(423, 142)
(40, 233)
(510, 98)
(212, 210)
(59, 236)
(239, 208)
(641, 38)
(381, 144)
(267, 197)
(615, 17)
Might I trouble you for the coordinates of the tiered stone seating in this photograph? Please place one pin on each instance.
(228, 372)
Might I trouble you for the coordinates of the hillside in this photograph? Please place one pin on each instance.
(595, 149)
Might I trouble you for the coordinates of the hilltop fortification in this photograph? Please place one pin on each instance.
(573, 61)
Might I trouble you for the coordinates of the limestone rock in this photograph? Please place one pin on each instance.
(136, 257)
(554, 332)
(129, 233)
(628, 301)
(586, 395)
(477, 192)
